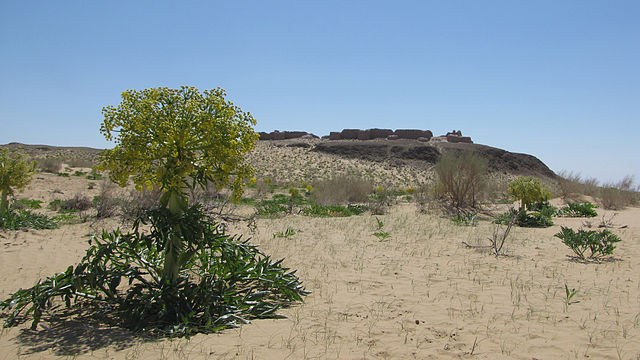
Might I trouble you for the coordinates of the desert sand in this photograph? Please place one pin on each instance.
(420, 294)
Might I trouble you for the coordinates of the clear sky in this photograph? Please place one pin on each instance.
(556, 79)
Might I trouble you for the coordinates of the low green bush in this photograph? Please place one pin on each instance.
(599, 244)
(333, 210)
(585, 209)
(16, 219)
(27, 204)
(544, 208)
(525, 219)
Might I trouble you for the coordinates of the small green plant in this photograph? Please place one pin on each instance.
(466, 219)
(569, 295)
(24, 219)
(599, 244)
(94, 175)
(333, 210)
(91, 185)
(381, 235)
(585, 209)
(27, 203)
(63, 174)
(78, 173)
(289, 232)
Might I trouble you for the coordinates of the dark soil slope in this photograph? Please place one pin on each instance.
(402, 151)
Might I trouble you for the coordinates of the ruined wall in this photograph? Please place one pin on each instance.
(353, 134)
(284, 135)
(454, 136)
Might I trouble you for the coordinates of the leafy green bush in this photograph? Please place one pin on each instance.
(16, 219)
(223, 283)
(333, 210)
(599, 244)
(27, 203)
(525, 219)
(585, 209)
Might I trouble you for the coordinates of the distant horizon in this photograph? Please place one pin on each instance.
(557, 172)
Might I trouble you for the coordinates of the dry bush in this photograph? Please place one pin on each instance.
(79, 163)
(50, 165)
(77, 203)
(461, 178)
(342, 189)
(571, 185)
(616, 196)
(139, 202)
(425, 198)
(106, 202)
(496, 190)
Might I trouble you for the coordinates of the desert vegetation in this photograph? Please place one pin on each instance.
(395, 270)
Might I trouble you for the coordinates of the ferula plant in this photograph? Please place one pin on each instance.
(15, 174)
(175, 138)
(528, 190)
(184, 275)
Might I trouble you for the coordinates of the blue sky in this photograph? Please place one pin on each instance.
(556, 79)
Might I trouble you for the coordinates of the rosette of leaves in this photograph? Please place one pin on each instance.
(599, 244)
(585, 209)
(225, 281)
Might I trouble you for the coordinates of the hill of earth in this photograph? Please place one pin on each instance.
(401, 162)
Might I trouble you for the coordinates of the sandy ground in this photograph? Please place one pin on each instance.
(420, 294)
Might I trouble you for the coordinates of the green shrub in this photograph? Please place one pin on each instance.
(461, 178)
(585, 209)
(599, 244)
(78, 173)
(273, 207)
(544, 208)
(15, 219)
(524, 219)
(333, 210)
(15, 174)
(27, 203)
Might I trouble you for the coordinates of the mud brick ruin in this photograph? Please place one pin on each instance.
(371, 134)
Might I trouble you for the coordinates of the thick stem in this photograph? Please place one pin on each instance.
(176, 204)
(4, 202)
